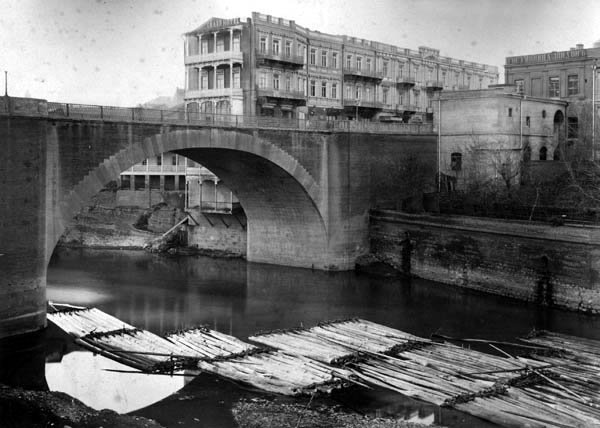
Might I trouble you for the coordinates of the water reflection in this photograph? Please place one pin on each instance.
(163, 294)
(86, 376)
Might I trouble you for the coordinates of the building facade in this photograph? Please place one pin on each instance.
(177, 180)
(489, 135)
(271, 66)
(570, 75)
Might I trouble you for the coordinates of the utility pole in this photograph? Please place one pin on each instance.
(594, 71)
(5, 83)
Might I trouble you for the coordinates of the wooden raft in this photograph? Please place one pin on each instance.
(195, 350)
(507, 391)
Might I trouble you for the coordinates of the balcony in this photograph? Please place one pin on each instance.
(434, 85)
(406, 107)
(225, 56)
(293, 60)
(363, 104)
(208, 93)
(405, 80)
(364, 74)
(280, 93)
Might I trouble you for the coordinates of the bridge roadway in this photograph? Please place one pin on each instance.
(306, 185)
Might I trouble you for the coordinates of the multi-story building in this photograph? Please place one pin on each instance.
(570, 75)
(273, 67)
(177, 180)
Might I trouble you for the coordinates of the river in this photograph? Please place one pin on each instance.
(233, 296)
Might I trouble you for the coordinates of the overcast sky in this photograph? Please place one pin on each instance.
(125, 52)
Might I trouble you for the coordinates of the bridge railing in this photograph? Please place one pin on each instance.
(139, 114)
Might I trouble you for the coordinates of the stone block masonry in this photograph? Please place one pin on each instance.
(554, 266)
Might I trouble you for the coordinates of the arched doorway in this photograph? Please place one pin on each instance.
(559, 134)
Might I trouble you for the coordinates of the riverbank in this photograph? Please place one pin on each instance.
(25, 408)
(555, 266)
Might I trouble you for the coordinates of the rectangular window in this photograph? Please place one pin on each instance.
(276, 81)
(334, 90)
(358, 92)
(220, 44)
(300, 50)
(174, 160)
(262, 80)
(139, 182)
(275, 47)
(204, 80)
(368, 64)
(348, 92)
(126, 182)
(169, 182)
(385, 95)
(159, 160)
(334, 57)
(385, 68)
(368, 94)
(528, 121)
(520, 84)
(349, 61)
(288, 48)
(288, 84)
(204, 46)
(236, 43)
(145, 162)
(573, 84)
(304, 89)
(456, 161)
(313, 88)
(220, 79)
(313, 56)
(236, 78)
(510, 112)
(181, 182)
(323, 58)
(358, 63)
(324, 89)
(155, 182)
(572, 127)
(554, 87)
(400, 71)
(263, 44)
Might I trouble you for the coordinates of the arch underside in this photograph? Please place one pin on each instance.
(280, 198)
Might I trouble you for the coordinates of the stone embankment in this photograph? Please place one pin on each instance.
(551, 265)
(109, 223)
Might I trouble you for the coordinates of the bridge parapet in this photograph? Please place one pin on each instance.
(37, 107)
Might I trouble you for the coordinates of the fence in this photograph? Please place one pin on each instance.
(138, 114)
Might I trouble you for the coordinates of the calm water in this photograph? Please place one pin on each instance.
(239, 298)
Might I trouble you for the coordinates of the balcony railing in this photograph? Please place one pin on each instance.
(218, 92)
(41, 108)
(366, 74)
(406, 107)
(405, 80)
(363, 103)
(435, 85)
(282, 58)
(280, 93)
(227, 56)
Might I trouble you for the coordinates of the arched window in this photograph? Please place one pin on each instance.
(543, 153)
(207, 107)
(456, 161)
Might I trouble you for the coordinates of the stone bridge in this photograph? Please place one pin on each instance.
(306, 186)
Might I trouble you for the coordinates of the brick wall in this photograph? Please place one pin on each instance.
(530, 261)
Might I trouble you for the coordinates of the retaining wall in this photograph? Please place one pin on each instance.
(555, 266)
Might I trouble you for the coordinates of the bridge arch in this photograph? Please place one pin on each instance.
(282, 201)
